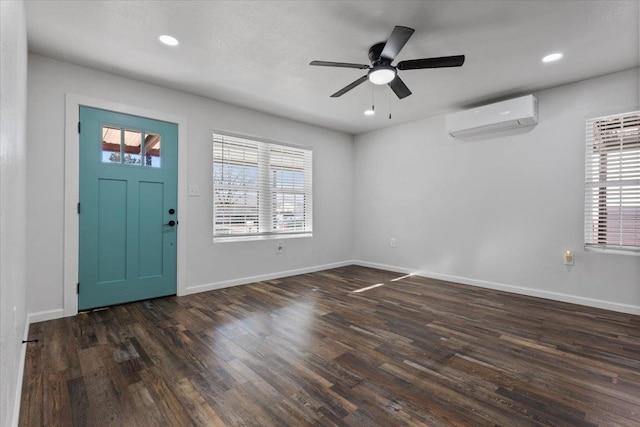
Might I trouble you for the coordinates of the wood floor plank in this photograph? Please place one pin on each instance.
(80, 407)
(309, 351)
(172, 410)
(139, 408)
(58, 405)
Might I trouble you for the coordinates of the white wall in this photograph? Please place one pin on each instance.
(209, 265)
(13, 97)
(499, 212)
(496, 212)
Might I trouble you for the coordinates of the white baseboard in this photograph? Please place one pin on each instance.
(23, 356)
(41, 316)
(386, 267)
(263, 277)
(556, 296)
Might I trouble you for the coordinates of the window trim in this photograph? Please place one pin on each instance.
(596, 170)
(262, 213)
(256, 237)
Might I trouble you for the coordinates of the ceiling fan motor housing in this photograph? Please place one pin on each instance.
(374, 54)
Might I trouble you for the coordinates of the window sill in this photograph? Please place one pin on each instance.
(612, 251)
(228, 239)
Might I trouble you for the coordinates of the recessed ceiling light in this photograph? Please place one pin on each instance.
(168, 40)
(552, 57)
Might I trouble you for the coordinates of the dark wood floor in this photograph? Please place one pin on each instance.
(305, 350)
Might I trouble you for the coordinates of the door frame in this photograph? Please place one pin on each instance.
(71, 231)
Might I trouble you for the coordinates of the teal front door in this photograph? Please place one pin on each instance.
(127, 211)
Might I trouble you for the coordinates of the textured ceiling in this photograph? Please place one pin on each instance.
(256, 54)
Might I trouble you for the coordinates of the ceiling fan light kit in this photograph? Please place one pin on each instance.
(382, 72)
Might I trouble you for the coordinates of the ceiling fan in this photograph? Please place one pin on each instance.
(382, 72)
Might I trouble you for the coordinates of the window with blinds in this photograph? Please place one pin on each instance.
(260, 188)
(612, 188)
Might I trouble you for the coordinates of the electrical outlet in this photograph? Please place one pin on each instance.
(392, 242)
(279, 248)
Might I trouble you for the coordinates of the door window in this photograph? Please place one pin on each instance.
(126, 147)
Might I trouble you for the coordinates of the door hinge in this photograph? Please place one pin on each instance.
(78, 289)
(78, 208)
(78, 127)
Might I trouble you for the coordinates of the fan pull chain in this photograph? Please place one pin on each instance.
(372, 111)
(373, 98)
(389, 98)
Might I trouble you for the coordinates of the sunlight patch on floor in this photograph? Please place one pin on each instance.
(367, 288)
(402, 277)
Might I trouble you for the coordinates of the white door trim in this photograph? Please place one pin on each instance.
(72, 186)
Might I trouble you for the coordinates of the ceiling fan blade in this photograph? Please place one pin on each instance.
(444, 61)
(400, 89)
(339, 64)
(349, 87)
(398, 38)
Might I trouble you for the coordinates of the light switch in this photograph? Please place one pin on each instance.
(194, 190)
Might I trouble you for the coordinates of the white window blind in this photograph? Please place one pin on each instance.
(612, 188)
(260, 188)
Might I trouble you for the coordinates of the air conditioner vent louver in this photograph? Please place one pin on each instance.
(510, 114)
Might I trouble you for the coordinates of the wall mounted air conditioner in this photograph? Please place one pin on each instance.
(510, 114)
